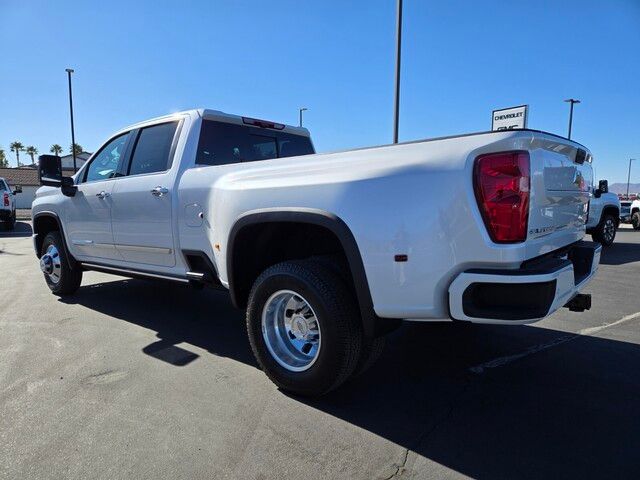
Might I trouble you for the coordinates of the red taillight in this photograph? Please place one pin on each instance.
(501, 182)
(6, 199)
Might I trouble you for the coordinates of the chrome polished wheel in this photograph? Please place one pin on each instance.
(609, 230)
(291, 330)
(50, 264)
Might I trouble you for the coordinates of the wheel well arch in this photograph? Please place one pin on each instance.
(263, 238)
(612, 210)
(45, 222)
(634, 210)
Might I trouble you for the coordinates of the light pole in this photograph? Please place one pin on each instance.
(303, 109)
(396, 112)
(629, 176)
(73, 135)
(571, 101)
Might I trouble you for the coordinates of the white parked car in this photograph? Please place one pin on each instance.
(604, 214)
(8, 204)
(327, 252)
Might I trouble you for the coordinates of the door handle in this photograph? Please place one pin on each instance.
(159, 191)
(103, 194)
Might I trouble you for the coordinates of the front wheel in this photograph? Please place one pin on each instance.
(635, 221)
(60, 278)
(304, 327)
(605, 232)
(10, 223)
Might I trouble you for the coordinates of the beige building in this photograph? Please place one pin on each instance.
(67, 160)
(28, 179)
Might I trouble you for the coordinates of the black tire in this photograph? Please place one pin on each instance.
(371, 351)
(605, 232)
(11, 223)
(70, 280)
(336, 312)
(371, 348)
(635, 220)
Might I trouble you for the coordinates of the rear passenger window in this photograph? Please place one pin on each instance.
(152, 149)
(2, 186)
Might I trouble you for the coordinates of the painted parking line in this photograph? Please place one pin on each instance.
(501, 361)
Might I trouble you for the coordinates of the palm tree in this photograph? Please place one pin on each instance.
(77, 147)
(32, 152)
(3, 159)
(56, 149)
(17, 147)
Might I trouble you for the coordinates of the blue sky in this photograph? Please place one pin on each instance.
(461, 59)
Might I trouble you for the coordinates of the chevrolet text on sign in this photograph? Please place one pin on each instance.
(509, 118)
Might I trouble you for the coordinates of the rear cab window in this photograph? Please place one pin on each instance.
(223, 143)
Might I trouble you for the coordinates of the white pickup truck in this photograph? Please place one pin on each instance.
(604, 214)
(327, 252)
(8, 204)
(630, 212)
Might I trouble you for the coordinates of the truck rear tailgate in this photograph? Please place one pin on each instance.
(561, 181)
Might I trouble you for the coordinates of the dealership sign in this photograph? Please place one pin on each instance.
(509, 118)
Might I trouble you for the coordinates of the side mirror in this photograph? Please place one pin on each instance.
(18, 189)
(50, 170)
(603, 186)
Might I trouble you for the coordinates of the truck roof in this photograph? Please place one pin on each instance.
(220, 116)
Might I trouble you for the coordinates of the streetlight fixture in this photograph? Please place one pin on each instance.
(572, 101)
(629, 176)
(303, 109)
(73, 135)
(396, 106)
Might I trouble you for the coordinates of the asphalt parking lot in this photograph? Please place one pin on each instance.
(134, 379)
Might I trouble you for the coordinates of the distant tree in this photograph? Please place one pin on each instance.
(77, 147)
(56, 149)
(17, 147)
(3, 159)
(32, 152)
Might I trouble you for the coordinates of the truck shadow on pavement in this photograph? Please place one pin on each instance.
(22, 229)
(485, 401)
(569, 410)
(177, 313)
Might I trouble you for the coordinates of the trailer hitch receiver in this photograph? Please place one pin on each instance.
(579, 303)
